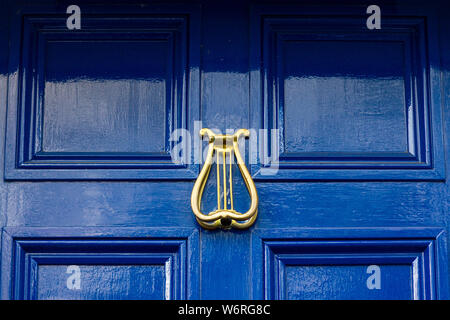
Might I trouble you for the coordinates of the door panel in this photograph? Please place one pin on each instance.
(394, 263)
(93, 206)
(140, 73)
(318, 72)
(100, 263)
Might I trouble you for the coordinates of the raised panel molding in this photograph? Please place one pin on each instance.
(56, 139)
(420, 252)
(389, 128)
(25, 251)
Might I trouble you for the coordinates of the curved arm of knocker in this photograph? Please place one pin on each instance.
(197, 191)
(253, 211)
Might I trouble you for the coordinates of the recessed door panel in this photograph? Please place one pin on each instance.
(362, 264)
(100, 263)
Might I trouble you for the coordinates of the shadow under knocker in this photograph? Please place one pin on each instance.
(224, 217)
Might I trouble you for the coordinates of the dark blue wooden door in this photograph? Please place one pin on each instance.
(348, 150)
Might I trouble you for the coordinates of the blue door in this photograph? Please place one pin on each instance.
(348, 112)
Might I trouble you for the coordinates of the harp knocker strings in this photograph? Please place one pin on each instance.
(223, 146)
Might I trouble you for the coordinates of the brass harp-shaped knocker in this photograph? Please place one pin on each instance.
(224, 217)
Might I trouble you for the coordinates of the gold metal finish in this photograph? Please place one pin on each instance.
(224, 145)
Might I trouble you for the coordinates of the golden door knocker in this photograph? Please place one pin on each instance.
(224, 217)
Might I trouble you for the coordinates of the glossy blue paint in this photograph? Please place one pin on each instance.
(85, 122)
(332, 263)
(115, 263)
(136, 71)
(384, 81)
